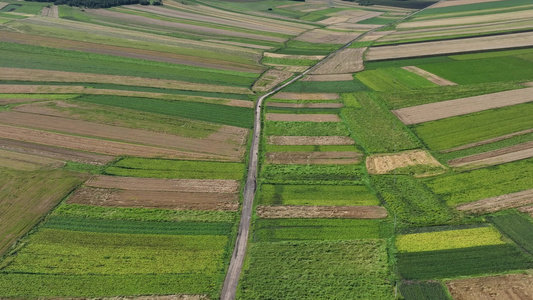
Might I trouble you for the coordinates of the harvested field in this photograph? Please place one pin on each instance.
(55, 152)
(488, 141)
(306, 96)
(499, 156)
(385, 163)
(451, 108)
(310, 140)
(303, 117)
(270, 79)
(305, 105)
(498, 203)
(349, 60)
(374, 36)
(52, 11)
(460, 2)
(61, 76)
(165, 185)
(27, 162)
(328, 77)
(527, 210)
(288, 68)
(313, 158)
(241, 44)
(451, 46)
(327, 36)
(306, 212)
(31, 117)
(155, 199)
(454, 21)
(506, 287)
(429, 76)
(290, 56)
(7, 101)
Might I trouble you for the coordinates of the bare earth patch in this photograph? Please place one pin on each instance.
(7, 101)
(314, 158)
(28, 162)
(3, 4)
(290, 56)
(374, 36)
(241, 44)
(457, 107)
(305, 105)
(527, 210)
(310, 140)
(498, 203)
(270, 79)
(306, 212)
(488, 141)
(451, 46)
(303, 117)
(506, 287)
(499, 156)
(349, 60)
(460, 2)
(429, 76)
(385, 163)
(306, 96)
(327, 36)
(328, 77)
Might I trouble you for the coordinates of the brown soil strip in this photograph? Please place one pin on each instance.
(155, 199)
(27, 162)
(451, 46)
(310, 140)
(306, 96)
(290, 56)
(328, 77)
(527, 210)
(287, 68)
(327, 36)
(349, 60)
(499, 156)
(7, 101)
(374, 36)
(460, 2)
(240, 44)
(303, 117)
(93, 145)
(452, 108)
(385, 163)
(35, 117)
(305, 105)
(3, 4)
(429, 76)
(61, 76)
(313, 158)
(270, 79)
(498, 203)
(55, 152)
(505, 287)
(306, 212)
(165, 185)
(488, 141)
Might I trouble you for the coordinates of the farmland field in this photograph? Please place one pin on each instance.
(517, 227)
(423, 291)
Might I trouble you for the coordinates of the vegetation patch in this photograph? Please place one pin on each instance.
(516, 226)
(306, 128)
(326, 86)
(423, 291)
(312, 174)
(393, 79)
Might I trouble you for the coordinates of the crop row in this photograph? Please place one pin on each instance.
(423, 291)
(516, 226)
(306, 128)
(392, 80)
(312, 174)
(326, 86)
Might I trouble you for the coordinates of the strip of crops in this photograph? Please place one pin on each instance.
(396, 63)
(483, 183)
(410, 201)
(275, 230)
(214, 113)
(423, 291)
(393, 79)
(288, 61)
(309, 148)
(288, 110)
(140, 214)
(281, 194)
(516, 226)
(317, 270)
(326, 86)
(462, 262)
(312, 174)
(306, 128)
(376, 129)
(305, 48)
(475, 127)
(138, 227)
(164, 168)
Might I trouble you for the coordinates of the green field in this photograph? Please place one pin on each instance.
(309, 148)
(393, 79)
(423, 291)
(305, 48)
(312, 174)
(517, 227)
(326, 86)
(306, 128)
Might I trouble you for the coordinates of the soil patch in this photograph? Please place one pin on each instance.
(314, 158)
(327, 36)
(241, 44)
(460, 2)
(385, 163)
(3, 4)
(527, 210)
(452, 108)
(270, 79)
(429, 76)
(290, 56)
(310, 140)
(7, 101)
(499, 156)
(306, 96)
(306, 212)
(28, 162)
(328, 77)
(349, 60)
(498, 203)
(506, 287)
(303, 117)
(374, 36)
(305, 105)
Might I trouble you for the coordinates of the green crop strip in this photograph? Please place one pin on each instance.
(312, 174)
(516, 226)
(326, 86)
(393, 79)
(308, 148)
(423, 291)
(306, 128)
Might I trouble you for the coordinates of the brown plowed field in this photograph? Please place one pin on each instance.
(61, 76)
(327, 36)
(385, 163)
(349, 60)
(92, 145)
(429, 76)
(488, 141)
(313, 158)
(306, 212)
(31, 118)
(451, 46)
(7, 101)
(498, 203)
(451, 108)
(54, 152)
(165, 185)
(310, 140)
(303, 117)
(28, 162)
(306, 96)
(499, 156)
(506, 287)
(460, 2)
(527, 210)
(305, 105)
(328, 77)
(155, 199)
